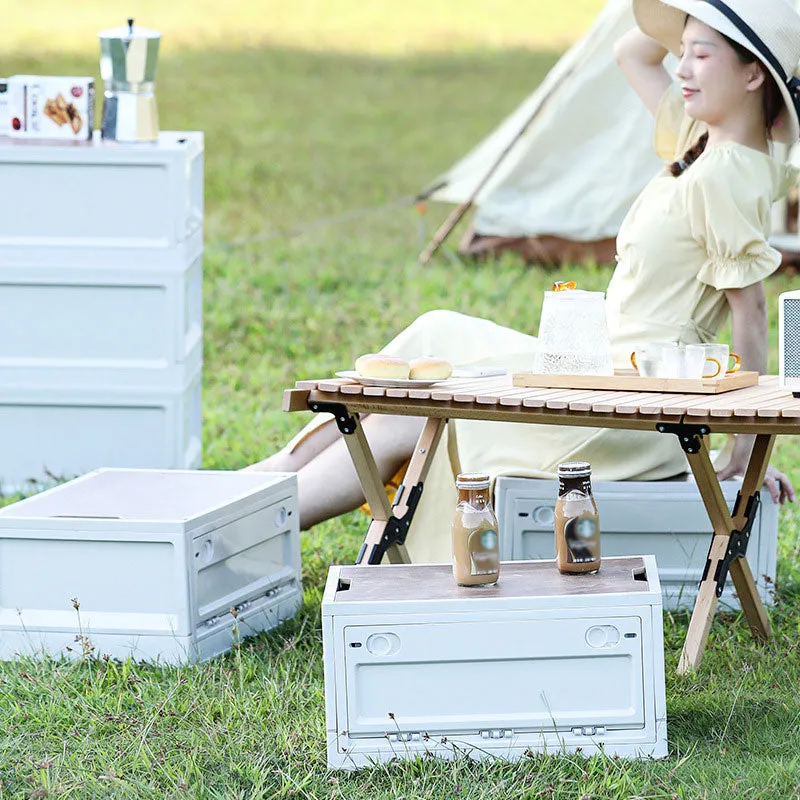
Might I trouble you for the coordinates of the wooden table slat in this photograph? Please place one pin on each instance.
(657, 405)
(537, 398)
(631, 406)
(599, 396)
(767, 401)
(629, 401)
(491, 398)
(701, 406)
(565, 400)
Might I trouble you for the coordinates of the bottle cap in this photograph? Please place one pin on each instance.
(574, 469)
(473, 480)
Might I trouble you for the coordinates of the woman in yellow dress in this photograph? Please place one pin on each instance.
(692, 248)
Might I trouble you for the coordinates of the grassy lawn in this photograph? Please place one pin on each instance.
(320, 110)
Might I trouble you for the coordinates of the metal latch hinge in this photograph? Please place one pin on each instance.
(345, 421)
(495, 733)
(737, 543)
(688, 435)
(589, 730)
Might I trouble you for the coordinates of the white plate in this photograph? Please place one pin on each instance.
(478, 372)
(408, 383)
(386, 383)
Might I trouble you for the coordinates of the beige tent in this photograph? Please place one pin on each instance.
(563, 188)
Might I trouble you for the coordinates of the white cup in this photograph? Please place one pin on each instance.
(648, 358)
(722, 354)
(698, 364)
(671, 361)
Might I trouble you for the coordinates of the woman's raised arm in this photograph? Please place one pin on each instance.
(641, 59)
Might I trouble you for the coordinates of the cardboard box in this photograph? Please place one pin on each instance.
(51, 107)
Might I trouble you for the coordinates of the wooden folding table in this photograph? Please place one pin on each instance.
(765, 410)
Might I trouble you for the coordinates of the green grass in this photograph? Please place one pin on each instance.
(311, 110)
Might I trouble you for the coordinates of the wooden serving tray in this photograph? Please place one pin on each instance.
(628, 380)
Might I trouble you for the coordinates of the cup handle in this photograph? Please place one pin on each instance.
(719, 367)
(737, 362)
(635, 365)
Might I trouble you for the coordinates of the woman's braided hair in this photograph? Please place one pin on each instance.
(689, 157)
(772, 103)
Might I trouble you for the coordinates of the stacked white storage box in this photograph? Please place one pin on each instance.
(155, 562)
(541, 662)
(100, 306)
(666, 518)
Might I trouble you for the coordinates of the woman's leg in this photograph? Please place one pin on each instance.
(293, 457)
(327, 483)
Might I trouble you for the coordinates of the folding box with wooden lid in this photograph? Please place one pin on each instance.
(665, 518)
(540, 662)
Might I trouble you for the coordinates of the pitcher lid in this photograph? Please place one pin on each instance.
(129, 31)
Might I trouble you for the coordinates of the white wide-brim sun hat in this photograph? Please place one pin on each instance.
(770, 29)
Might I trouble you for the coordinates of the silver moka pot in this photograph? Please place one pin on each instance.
(128, 58)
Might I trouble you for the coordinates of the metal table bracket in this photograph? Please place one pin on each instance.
(396, 528)
(737, 543)
(688, 435)
(345, 421)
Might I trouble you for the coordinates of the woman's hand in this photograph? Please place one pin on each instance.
(779, 485)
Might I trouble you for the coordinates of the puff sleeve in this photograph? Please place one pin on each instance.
(729, 217)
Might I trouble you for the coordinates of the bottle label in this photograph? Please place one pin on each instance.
(582, 535)
(483, 552)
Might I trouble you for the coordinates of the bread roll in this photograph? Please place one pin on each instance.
(430, 369)
(361, 359)
(380, 366)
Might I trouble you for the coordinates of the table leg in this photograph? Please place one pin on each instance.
(723, 524)
(389, 522)
(753, 608)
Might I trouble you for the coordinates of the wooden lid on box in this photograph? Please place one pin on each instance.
(408, 582)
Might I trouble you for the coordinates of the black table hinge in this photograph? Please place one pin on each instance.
(737, 543)
(396, 528)
(688, 435)
(345, 421)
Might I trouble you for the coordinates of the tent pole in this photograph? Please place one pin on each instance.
(455, 216)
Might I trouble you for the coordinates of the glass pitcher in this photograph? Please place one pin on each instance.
(573, 335)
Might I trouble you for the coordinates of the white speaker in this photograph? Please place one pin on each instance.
(789, 341)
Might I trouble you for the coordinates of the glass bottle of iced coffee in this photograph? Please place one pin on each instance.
(476, 554)
(577, 522)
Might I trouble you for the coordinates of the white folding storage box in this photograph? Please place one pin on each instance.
(541, 662)
(101, 284)
(665, 518)
(64, 432)
(155, 560)
(102, 193)
(125, 317)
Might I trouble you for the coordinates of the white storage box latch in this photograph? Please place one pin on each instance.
(413, 736)
(495, 733)
(589, 730)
